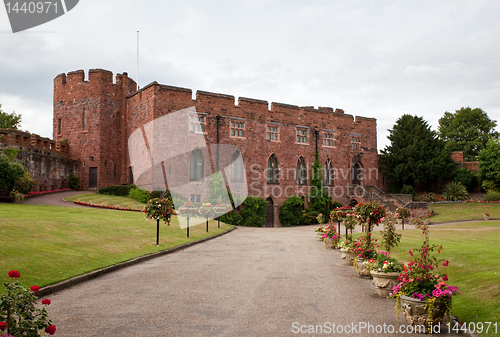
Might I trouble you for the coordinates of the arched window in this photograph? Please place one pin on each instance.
(237, 167)
(301, 171)
(357, 174)
(196, 165)
(272, 170)
(329, 178)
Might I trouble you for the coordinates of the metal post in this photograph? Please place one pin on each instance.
(207, 223)
(339, 228)
(187, 226)
(157, 232)
(403, 222)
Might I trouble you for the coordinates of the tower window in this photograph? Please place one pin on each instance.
(59, 126)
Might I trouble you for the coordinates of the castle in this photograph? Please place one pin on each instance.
(277, 143)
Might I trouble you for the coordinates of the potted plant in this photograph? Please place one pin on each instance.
(331, 237)
(17, 197)
(385, 271)
(347, 250)
(486, 214)
(364, 251)
(320, 233)
(422, 293)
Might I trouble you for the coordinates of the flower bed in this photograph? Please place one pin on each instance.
(35, 194)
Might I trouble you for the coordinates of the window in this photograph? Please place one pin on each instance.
(329, 173)
(195, 198)
(272, 133)
(328, 139)
(356, 143)
(237, 129)
(237, 167)
(301, 135)
(117, 121)
(196, 123)
(59, 126)
(272, 170)
(196, 165)
(301, 171)
(84, 120)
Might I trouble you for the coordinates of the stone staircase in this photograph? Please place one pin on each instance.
(392, 201)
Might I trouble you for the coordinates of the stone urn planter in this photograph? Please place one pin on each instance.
(330, 243)
(427, 222)
(486, 217)
(416, 313)
(319, 236)
(360, 268)
(347, 256)
(384, 282)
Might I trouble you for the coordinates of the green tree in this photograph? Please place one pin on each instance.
(318, 196)
(467, 130)
(9, 121)
(9, 173)
(489, 165)
(416, 156)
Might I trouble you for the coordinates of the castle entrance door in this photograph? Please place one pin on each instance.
(92, 176)
(270, 213)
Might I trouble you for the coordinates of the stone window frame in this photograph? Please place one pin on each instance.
(197, 119)
(195, 198)
(329, 139)
(302, 135)
(301, 172)
(196, 165)
(272, 169)
(355, 141)
(237, 127)
(237, 167)
(329, 173)
(272, 131)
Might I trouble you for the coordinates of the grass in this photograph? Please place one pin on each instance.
(49, 244)
(108, 200)
(472, 249)
(463, 211)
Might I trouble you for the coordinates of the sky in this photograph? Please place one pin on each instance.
(378, 59)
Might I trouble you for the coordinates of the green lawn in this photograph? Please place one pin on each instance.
(108, 200)
(463, 211)
(473, 251)
(48, 244)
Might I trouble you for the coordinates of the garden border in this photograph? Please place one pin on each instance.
(99, 272)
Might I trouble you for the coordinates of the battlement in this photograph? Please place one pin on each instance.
(95, 77)
(17, 139)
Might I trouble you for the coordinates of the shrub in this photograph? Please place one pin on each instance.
(253, 213)
(118, 190)
(408, 189)
(309, 217)
(492, 196)
(466, 177)
(9, 173)
(454, 191)
(337, 204)
(139, 195)
(429, 197)
(231, 218)
(291, 211)
(25, 183)
(490, 186)
(74, 182)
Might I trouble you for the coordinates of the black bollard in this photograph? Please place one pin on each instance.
(157, 232)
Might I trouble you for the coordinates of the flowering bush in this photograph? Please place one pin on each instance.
(159, 209)
(383, 264)
(207, 210)
(371, 214)
(389, 236)
(18, 313)
(363, 247)
(403, 213)
(319, 230)
(339, 214)
(350, 223)
(346, 245)
(188, 209)
(486, 213)
(331, 232)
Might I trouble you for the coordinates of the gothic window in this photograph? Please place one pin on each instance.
(237, 129)
(301, 172)
(356, 143)
(272, 133)
(329, 181)
(301, 135)
(196, 123)
(272, 170)
(196, 165)
(237, 167)
(328, 139)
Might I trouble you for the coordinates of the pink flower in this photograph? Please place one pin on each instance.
(411, 253)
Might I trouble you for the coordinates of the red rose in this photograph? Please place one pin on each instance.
(2, 325)
(46, 301)
(35, 289)
(51, 329)
(14, 274)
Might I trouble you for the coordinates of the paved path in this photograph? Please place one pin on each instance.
(250, 282)
(55, 199)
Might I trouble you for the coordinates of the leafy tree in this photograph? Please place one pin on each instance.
(489, 166)
(9, 121)
(9, 173)
(466, 177)
(416, 155)
(467, 130)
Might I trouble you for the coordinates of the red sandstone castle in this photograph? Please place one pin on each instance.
(97, 116)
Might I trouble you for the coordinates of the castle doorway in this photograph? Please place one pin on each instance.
(270, 213)
(93, 177)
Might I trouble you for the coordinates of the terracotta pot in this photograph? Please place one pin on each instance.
(361, 270)
(416, 313)
(347, 256)
(384, 282)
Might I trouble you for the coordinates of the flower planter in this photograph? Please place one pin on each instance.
(486, 218)
(416, 313)
(384, 282)
(360, 268)
(319, 236)
(427, 222)
(347, 256)
(330, 243)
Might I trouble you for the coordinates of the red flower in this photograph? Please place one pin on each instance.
(35, 289)
(445, 277)
(46, 301)
(14, 274)
(446, 263)
(51, 329)
(411, 253)
(2, 325)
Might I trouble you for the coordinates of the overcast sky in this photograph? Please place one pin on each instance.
(376, 59)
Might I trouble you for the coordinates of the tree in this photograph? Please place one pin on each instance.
(9, 172)
(9, 121)
(416, 154)
(489, 165)
(467, 130)
(318, 196)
